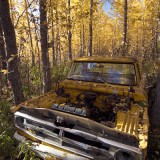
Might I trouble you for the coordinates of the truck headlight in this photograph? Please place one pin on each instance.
(124, 155)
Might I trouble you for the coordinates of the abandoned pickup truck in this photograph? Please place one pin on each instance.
(99, 112)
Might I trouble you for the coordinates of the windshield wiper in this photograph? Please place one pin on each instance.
(106, 83)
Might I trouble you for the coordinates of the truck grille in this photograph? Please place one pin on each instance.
(71, 138)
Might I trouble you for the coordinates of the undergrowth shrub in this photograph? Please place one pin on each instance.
(25, 151)
(32, 78)
(59, 72)
(9, 148)
(7, 143)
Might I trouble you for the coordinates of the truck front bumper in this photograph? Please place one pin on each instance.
(49, 153)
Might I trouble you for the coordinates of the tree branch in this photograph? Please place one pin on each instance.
(23, 13)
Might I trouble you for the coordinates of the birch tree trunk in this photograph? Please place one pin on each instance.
(82, 39)
(11, 9)
(69, 31)
(90, 28)
(37, 50)
(12, 52)
(58, 49)
(3, 65)
(44, 47)
(30, 34)
(2, 47)
(53, 44)
(52, 24)
(125, 26)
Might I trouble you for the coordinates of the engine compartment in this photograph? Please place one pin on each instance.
(99, 107)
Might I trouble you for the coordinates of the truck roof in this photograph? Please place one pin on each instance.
(107, 59)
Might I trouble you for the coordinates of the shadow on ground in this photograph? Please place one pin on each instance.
(154, 145)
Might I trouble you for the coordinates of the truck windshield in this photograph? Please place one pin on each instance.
(113, 73)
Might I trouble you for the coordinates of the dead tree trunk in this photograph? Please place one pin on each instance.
(12, 53)
(44, 47)
(90, 28)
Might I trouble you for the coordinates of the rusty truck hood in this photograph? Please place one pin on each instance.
(45, 100)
